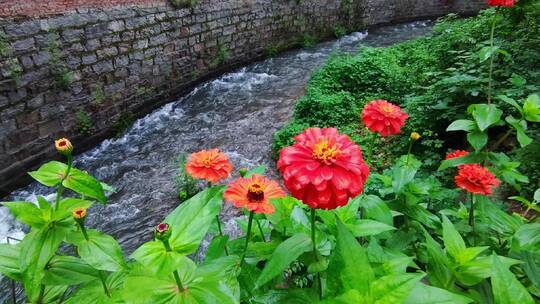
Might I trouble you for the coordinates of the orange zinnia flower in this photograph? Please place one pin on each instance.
(254, 193)
(211, 165)
(476, 179)
(79, 213)
(383, 117)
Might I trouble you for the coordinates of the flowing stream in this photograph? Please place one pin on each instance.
(237, 112)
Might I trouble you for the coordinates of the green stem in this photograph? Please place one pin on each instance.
(315, 251)
(41, 294)
(105, 288)
(471, 212)
(492, 57)
(175, 272)
(60, 187)
(83, 230)
(409, 152)
(221, 234)
(250, 224)
(260, 230)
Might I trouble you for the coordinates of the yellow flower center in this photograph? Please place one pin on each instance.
(255, 192)
(208, 161)
(322, 151)
(388, 109)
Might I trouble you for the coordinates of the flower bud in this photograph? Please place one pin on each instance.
(63, 146)
(162, 231)
(415, 136)
(243, 172)
(79, 215)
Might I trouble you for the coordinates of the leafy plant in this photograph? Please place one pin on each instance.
(84, 123)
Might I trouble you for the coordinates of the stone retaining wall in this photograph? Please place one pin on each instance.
(87, 73)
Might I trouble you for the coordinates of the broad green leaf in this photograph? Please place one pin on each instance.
(155, 258)
(27, 213)
(283, 256)
(520, 126)
(511, 102)
(394, 288)
(438, 265)
(477, 139)
(68, 205)
(404, 171)
(68, 270)
(518, 80)
(425, 294)
(537, 195)
(50, 174)
(100, 251)
(257, 170)
(453, 242)
(532, 270)
(85, 185)
(506, 288)
(485, 115)
(468, 254)
(486, 52)
(375, 208)
(9, 261)
(471, 158)
(531, 108)
(368, 227)
(351, 296)
(53, 294)
(461, 125)
(188, 233)
(216, 249)
(477, 270)
(281, 218)
(348, 257)
(93, 292)
(527, 237)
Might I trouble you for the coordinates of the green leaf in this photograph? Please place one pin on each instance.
(9, 261)
(477, 139)
(531, 108)
(520, 126)
(477, 270)
(283, 256)
(527, 237)
(348, 257)
(517, 80)
(100, 251)
(537, 195)
(425, 294)
(216, 249)
(50, 174)
(281, 218)
(471, 158)
(452, 239)
(506, 288)
(375, 208)
(486, 52)
(368, 227)
(154, 257)
(27, 213)
(257, 170)
(85, 185)
(511, 102)
(403, 172)
(394, 288)
(68, 270)
(485, 115)
(438, 265)
(461, 125)
(188, 233)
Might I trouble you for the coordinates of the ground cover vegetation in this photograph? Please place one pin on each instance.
(353, 228)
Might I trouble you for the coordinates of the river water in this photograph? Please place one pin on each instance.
(237, 112)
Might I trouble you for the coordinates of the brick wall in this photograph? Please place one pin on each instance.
(11, 8)
(104, 65)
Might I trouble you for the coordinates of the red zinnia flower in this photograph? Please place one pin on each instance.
(323, 168)
(457, 153)
(476, 179)
(507, 3)
(383, 117)
(254, 193)
(211, 165)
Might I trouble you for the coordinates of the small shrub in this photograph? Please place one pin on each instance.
(84, 123)
(340, 31)
(309, 41)
(123, 122)
(184, 3)
(221, 57)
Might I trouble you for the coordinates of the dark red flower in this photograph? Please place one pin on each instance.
(457, 153)
(383, 117)
(476, 179)
(323, 168)
(507, 3)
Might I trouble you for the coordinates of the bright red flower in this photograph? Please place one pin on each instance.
(507, 3)
(476, 179)
(383, 117)
(254, 193)
(323, 168)
(211, 165)
(457, 153)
